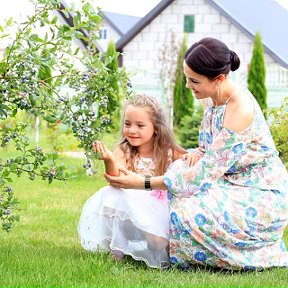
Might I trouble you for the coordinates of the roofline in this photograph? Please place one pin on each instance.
(102, 13)
(69, 21)
(248, 33)
(141, 24)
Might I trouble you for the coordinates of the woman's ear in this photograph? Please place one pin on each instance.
(220, 77)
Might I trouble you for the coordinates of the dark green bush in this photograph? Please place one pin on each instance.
(189, 128)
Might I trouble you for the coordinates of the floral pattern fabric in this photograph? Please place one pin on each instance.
(229, 210)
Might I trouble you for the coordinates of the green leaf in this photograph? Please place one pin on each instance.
(54, 20)
(76, 50)
(9, 21)
(78, 35)
(35, 38)
(2, 67)
(13, 166)
(50, 118)
(3, 113)
(5, 173)
(76, 20)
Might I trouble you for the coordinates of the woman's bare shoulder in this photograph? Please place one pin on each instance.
(239, 112)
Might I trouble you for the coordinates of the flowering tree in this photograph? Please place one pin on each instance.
(167, 60)
(87, 78)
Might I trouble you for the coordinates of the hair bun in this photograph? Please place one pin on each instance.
(234, 60)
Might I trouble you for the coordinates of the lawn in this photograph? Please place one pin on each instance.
(43, 249)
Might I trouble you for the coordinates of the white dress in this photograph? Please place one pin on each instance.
(135, 222)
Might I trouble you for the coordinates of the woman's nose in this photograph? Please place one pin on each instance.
(188, 85)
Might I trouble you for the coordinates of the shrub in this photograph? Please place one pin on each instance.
(35, 72)
(256, 74)
(182, 97)
(189, 128)
(278, 127)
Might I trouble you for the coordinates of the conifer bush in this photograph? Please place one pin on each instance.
(183, 99)
(256, 74)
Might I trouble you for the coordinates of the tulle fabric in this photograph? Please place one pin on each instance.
(135, 222)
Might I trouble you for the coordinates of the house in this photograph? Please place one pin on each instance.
(232, 21)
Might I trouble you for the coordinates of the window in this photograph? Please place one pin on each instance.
(189, 23)
(102, 33)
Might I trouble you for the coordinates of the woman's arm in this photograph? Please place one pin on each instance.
(132, 180)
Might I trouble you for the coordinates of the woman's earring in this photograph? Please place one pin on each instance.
(218, 96)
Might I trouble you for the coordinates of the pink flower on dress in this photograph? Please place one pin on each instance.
(160, 195)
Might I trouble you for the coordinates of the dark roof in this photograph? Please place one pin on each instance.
(141, 24)
(267, 17)
(120, 22)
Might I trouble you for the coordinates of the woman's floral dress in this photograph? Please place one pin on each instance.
(229, 210)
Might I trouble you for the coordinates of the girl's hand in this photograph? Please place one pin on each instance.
(127, 179)
(191, 158)
(99, 147)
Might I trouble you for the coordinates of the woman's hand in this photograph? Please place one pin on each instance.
(127, 179)
(191, 158)
(99, 147)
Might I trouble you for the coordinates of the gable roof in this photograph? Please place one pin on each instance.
(267, 17)
(141, 24)
(120, 22)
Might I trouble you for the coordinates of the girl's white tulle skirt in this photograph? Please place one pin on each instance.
(132, 221)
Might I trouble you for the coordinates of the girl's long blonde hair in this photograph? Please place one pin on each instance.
(163, 138)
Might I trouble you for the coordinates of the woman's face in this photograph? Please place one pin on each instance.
(201, 86)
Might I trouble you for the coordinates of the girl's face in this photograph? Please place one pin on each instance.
(201, 86)
(138, 128)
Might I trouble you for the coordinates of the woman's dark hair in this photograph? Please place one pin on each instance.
(211, 57)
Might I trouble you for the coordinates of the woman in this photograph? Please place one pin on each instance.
(229, 196)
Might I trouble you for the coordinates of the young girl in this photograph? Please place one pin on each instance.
(127, 221)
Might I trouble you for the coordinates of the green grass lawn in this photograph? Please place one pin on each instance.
(43, 249)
